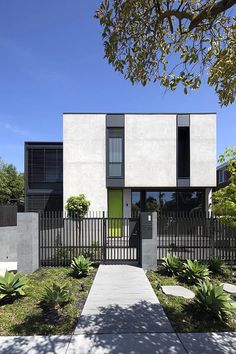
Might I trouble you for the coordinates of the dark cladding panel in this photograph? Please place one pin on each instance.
(115, 120)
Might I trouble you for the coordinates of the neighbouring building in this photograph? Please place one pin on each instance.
(222, 175)
(125, 163)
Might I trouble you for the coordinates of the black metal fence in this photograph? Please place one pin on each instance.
(102, 239)
(195, 237)
(8, 215)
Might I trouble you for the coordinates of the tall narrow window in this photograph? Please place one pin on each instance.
(115, 152)
(183, 152)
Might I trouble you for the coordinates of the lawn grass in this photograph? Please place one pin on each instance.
(183, 314)
(26, 316)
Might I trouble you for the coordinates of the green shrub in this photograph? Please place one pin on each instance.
(93, 252)
(56, 296)
(12, 285)
(63, 254)
(195, 271)
(216, 265)
(81, 266)
(77, 206)
(213, 299)
(172, 264)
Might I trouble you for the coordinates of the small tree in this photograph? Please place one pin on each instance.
(77, 206)
(224, 200)
(11, 184)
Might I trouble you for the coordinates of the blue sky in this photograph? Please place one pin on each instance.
(52, 62)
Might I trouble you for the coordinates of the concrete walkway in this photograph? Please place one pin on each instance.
(122, 316)
(122, 300)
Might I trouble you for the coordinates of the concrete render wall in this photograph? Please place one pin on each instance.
(150, 154)
(8, 244)
(21, 243)
(126, 203)
(84, 156)
(150, 150)
(203, 150)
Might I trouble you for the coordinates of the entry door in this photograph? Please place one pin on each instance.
(115, 210)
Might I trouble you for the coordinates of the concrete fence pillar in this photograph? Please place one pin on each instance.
(27, 242)
(148, 229)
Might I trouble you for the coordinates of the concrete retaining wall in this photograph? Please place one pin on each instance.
(21, 243)
(8, 244)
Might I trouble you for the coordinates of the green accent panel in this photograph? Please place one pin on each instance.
(115, 210)
(115, 203)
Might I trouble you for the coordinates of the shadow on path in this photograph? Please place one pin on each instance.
(141, 317)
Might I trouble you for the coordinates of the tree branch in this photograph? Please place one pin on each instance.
(211, 11)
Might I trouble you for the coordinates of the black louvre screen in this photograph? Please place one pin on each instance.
(45, 202)
(44, 166)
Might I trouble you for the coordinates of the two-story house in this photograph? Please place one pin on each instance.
(135, 162)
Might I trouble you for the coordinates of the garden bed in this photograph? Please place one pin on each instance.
(26, 315)
(185, 315)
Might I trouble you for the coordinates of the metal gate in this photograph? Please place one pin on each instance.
(115, 240)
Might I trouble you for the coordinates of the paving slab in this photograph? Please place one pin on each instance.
(135, 343)
(209, 343)
(177, 290)
(34, 344)
(229, 288)
(110, 310)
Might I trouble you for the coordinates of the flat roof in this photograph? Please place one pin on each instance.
(140, 113)
(44, 142)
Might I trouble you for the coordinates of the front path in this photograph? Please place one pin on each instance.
(123, 315)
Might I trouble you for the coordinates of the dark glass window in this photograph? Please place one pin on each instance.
(167, 201)
(183, 152)
(191, 201)
(160, 200)
(115, 152)
(152, 201)
(170, 201)
(136, 203)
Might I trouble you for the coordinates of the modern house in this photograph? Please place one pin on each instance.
(126, 162)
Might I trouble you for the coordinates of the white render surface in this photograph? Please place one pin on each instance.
(84, 156)
(208, 200)
(127, 203)
(150, 150)
(202, 150)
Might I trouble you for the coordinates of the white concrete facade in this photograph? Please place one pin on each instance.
(150, 155)
(202, 150)
(84, 158)
(150, 150)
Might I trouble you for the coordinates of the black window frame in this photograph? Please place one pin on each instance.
(115, 133)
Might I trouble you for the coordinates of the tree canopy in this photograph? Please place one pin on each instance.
(172, 42)
(224, 200)
(11, 184)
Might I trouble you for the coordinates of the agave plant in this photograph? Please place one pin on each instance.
(213, 299)
(216, 265)
(172, 264)
(12, 285)
(81, 266)
(195, 271)
(56, 296)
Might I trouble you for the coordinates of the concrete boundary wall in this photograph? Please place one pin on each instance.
(21, 243)
(148, 229)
